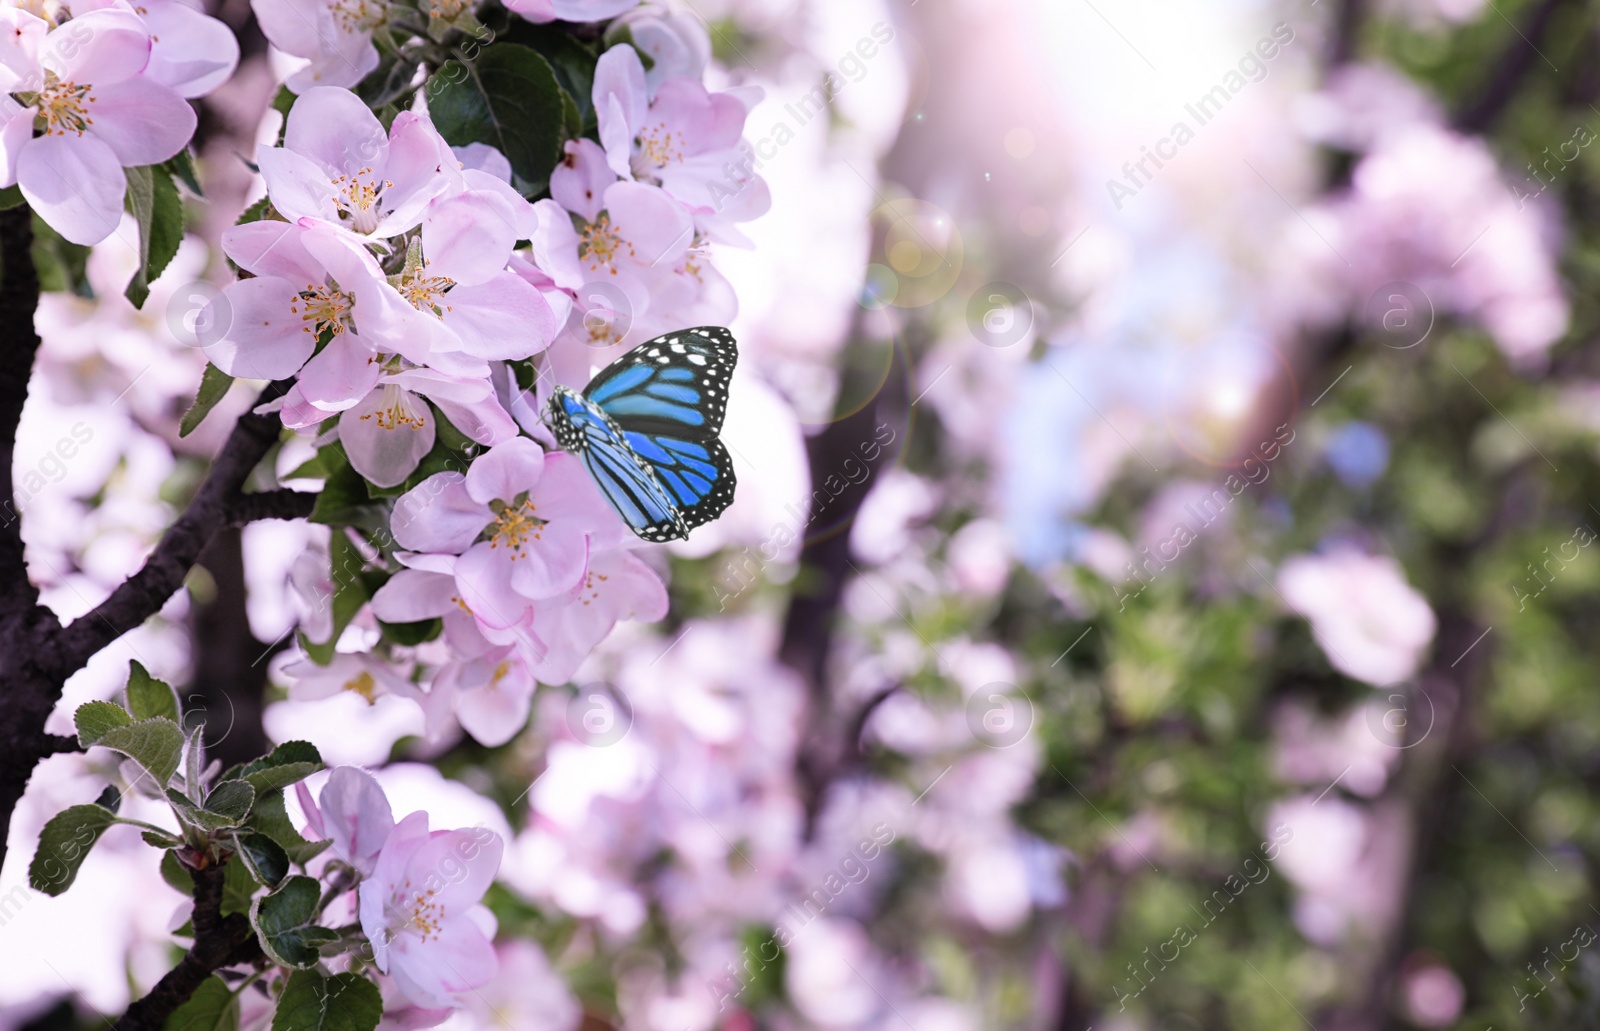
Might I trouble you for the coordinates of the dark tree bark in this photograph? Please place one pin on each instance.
(217, 943)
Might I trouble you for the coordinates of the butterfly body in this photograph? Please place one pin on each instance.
(647, 426)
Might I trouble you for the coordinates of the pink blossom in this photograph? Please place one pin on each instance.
(338, 165)
(189, 51)
(335, 36)
(675, 42)
(1371, 624)
(354, 812)
(417, 910)
(684, 139)
(386, 435)
(617, 586)
(522, 523)
(100, 114)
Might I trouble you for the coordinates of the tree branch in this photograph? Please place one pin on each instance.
(271, 504)
(217, 941)
(1520, 56)
(217, 503)
(19, 297)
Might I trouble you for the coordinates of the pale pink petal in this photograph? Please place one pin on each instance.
(386, 436)
(438, 515)
(468, 237)
(506, 470)
(458, 959)
(102, 47)
(335, 129)
(411, 595)
(340, 374)
(192, 53)
(502, 319)
(141, 120)
(357, 816)
(273, 248)
(657, 226)
(567, 495)
(16, 135)
(620, 102)
(298, 187)
(341, 68)
(419, 167)
(264, 339)
(579, 182)
(483, 158)
(484, 576)
(555, 245)
(591, 10)
(75, 183)
(458, 866)
(495, 710)
(291, 25)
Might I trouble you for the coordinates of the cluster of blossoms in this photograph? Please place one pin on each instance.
(417, 895)
(386, 280)
(96, 87)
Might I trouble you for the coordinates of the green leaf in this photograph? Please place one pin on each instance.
(260, 211)
(11, 197)
(239, 887)
(212, 1007)
(412, 634)
(193, 815)
(572, 61)
(97, 719)
(176, 874)
(214, 384)
(149, 697)
(289, 762)
(181, 167)
(343, 1002)
(156, 744)
(154, 203)
(268, 861)
(232, 799)
(344, 499)
(282, 921)
(160, 839)
(509, 98)
(272, 820)
(62, 264)
(64, 843)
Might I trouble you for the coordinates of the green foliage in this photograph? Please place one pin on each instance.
(213, 1007)
(149, 697)
(154, 203)
(508, 98)
(62, 265)
(287, 763)
(343, 1002)
(271, 819)
(64, 844)
(155, 744)
(267, 860)
(283, 923)
(214, 385)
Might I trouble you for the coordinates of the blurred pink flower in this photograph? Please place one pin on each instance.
(1372, 625)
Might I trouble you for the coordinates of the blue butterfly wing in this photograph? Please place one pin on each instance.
(628, 483)
(675, 385)
(698, 474)
(646, 428)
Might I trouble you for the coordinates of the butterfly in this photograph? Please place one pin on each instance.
(646, 429)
